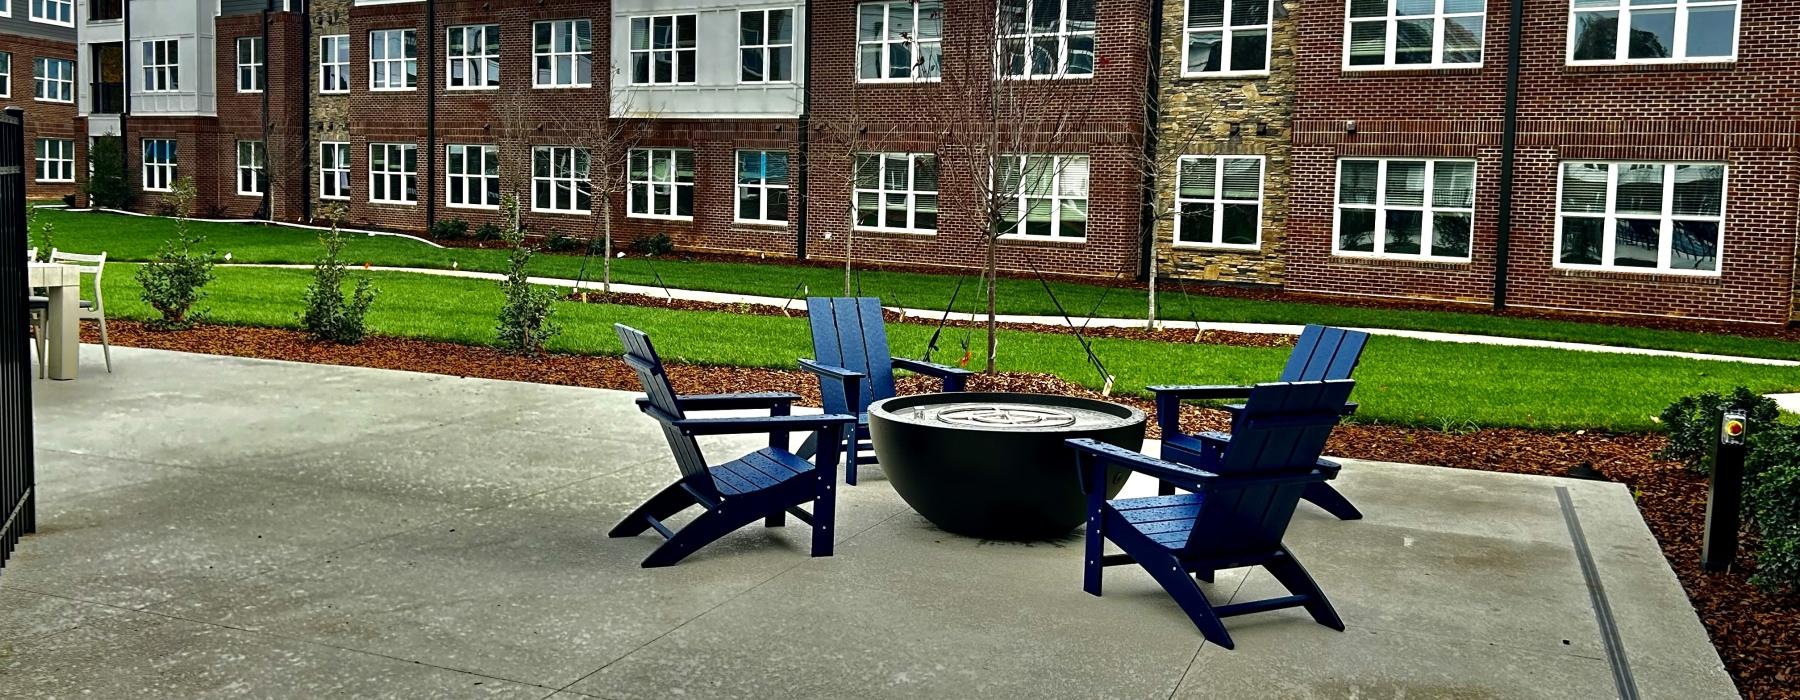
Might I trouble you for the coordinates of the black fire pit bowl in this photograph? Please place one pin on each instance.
(993, 465)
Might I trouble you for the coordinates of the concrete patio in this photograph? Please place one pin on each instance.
(225, 527)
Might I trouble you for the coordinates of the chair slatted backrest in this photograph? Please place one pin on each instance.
(642, 358)
(1324, 353)
(1279, 435)
(849, 332)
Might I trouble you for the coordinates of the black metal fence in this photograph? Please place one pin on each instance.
(18, 502)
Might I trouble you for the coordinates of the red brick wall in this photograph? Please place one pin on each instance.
(42, 119)
(1746, 114)
(202, 152)
(243, 115)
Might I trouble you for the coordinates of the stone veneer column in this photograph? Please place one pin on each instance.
(330, 118)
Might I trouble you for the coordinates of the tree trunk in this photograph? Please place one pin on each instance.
(1150, 322)
(849, 254)
(606, 248)
(993, 284)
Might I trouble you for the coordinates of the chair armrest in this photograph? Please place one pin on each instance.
(829, 371)
(1102, 454)
(1200, 393)
(727, 402)
(763, 424)
(1235, 408)
(955, 378)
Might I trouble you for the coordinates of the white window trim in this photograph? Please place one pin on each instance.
(257, 67)
(343, 69)
(403, 60)
(170, 71)
(1219, 200)
(574, 184)
(1229, 32)
(1063, 34)
(1381, 207)
(576, 56)
(470, 60)
(454, 181)
(256, 147)
(1057, 198)
(738, 185)
(6, 8)
(674, 185)
(38, 76)
(1682, 8)
(397, 170)
(1665, 243)
(918, 6)
(1439, 19)
(149, 168)
(881, 192)
(342, 148)
(6, 74)
(767, 47)
(66, 4)
(40, 161)
(693, 53)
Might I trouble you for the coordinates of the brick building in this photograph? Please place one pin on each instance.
(1655, 172)
(37, 74)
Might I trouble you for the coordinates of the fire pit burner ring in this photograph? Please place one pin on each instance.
(1006, 416)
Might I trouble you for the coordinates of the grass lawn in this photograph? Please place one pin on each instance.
(1435, 385)
(137, 238)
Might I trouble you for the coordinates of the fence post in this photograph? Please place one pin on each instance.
(1725, 495)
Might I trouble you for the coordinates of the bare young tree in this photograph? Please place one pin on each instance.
(852, 139)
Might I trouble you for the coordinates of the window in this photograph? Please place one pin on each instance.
(897, 191)
(162, 65)
(251, 179)
(474, 177)
(762, 187)
(1051, 193)
(474, 57)
(662, 183)
(1652, 31)
(394, 173)
(559, 180)
(1047, 38)
(563, 51)
(1227, 37)
(663, 50)
(5, 72)
(765, 46)
(250, 64)
(334, 170)
(1414, 33)
(53, 79)
(53, 12)
(1218, 201)
(393, 59)
(1395, 208)
(899, 40)
(55, 160)
(1654, 217)
(159, 164)
(334, 64)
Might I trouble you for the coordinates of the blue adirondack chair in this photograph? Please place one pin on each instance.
(1320, 353)
(1243, 494)
(766, 485)
(850, 342)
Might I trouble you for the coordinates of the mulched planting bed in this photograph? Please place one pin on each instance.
(1757, 634)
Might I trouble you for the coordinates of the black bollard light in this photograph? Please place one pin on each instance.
(1725, 497)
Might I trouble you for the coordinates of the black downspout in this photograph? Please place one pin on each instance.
(1152, 117)
(1509, 137)
(268, 193)
(306, 147)
(431, 88)
(804, 139)
(124, 109)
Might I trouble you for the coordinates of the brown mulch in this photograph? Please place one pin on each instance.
(798, 310)
(1756, 633)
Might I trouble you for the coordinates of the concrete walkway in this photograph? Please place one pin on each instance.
(1787, 402)
(217, 526)
(934, 315)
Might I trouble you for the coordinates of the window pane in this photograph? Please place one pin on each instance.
(1640, 189)
(1368, 8)
(1710, 30)
(1074, 180)
(868, 21)
(1204, 52)
(1357, 182)
(1249, 13)
(1653, 33)
(1450, 235)
(1581, 240)
(1414, 8)
(1412, 41)
(1453, 185)
(1462, 39)
(1196, 223)
(1199, 178)
(781, 26)
(749, 202)
(1699, 189)
(1243, 179)
(1406, 183)
(1206, 13)
(1240, 225)
(1356, 230)
(1249, 49)
(1404, 231)
(1368, 43)
(1635, 242)
(1596, 36)
(778, 204)
(926, 216)
(1696, 246)
(1584, 187)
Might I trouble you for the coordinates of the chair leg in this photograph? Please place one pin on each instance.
(43, 349)
(1094, 569)
(1293, 576)
(105, 345)
(667, 502)
(850, 455)
(824, 513)
(776, 520)
(1324, 496)
(1167, 570)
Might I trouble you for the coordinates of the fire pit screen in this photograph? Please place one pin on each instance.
(994, 465)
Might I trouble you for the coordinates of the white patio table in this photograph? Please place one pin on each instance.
(63, 284)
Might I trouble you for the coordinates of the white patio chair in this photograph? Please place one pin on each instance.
(90, 310)
(39, 308)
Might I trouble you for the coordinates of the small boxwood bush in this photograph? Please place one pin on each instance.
(559, 243)
(1771, 474)
(1693, 423)
(489, 231)
(449, 229)
(656, 245)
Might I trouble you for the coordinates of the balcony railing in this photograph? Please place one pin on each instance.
(109, 98)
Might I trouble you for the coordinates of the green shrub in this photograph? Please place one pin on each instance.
(1693, 423)
(328, 315)
(524, 323)
(449, 229)
(69, 200)
(656, 245)
(560, 243)
(173, 281)
(488, 232)
(106, 185)
(1774, 501)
